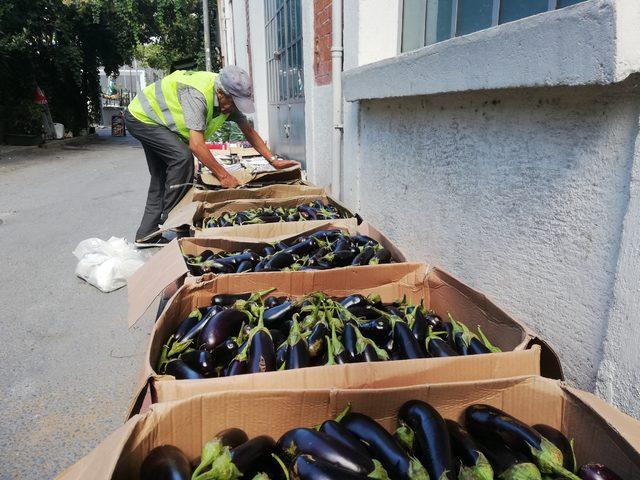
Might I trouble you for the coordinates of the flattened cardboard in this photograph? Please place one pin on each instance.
(287, 175)
(417, 281)
(190, 423)
(271, 191)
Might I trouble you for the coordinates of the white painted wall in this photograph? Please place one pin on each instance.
(259, 67)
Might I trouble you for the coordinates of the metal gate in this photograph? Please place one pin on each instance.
(285, 77)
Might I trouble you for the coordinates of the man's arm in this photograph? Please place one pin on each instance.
(202, 153)
(254, 139)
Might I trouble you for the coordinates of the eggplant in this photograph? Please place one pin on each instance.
(339, 259)
(305, 467)
(369, 354)
(281, 355)
(316, 340)
(186, 325)
(380, 257)
(179, 369)
(364, 257)
(561, 442)
(597, 471)
(420, 326)
(232, 437)
(350, 342)
(362, 240)
(298, 351)
(366, 312)
(224, 352)
(343, 243)
(377, 330)
(165, 463)
(221, 326)
(268, 467)
(326, 235)
(274, 316)
(308, 212)
(201, 361)
(236, 367)
(228, 299)
(272, 301)
(246, 455)
(277, 336)
(384, 448)
(280, 261)
(197, 328)
(262, 354)
(431, 438)
(337, 432)
(307, 441)
(485, 419)
(245, 266)
(437, 347)
(355, 300)
(472, 464)
(434, 321)
(507, 464)
(405, 343)
(268, 251)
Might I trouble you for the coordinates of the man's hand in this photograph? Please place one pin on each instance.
(280, 164)
(229, 181)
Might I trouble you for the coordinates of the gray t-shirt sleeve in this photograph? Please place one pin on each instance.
(194, 109)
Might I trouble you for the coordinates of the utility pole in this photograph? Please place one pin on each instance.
(207, 39)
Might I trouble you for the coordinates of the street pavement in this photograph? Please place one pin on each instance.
(69, 364)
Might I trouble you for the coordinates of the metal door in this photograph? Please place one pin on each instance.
(285, 77)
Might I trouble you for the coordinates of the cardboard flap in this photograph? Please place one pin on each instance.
(550, 365)
(271, 191)
(290, 174)
(166, 266)
(180, 218)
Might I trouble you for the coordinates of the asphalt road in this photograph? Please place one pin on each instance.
(69, 364)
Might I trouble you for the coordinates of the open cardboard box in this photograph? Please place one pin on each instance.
(601, 433)
(439, 290)
(244, 177)
(168, 264)
(192, 214)
(270, 191)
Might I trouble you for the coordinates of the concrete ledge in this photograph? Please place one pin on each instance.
(595, 42)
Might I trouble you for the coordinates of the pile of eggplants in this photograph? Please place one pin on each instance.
(353, 446)
(309, 211)
(254, 333)
(321, 250)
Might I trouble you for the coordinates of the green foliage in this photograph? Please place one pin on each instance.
(229, 132)
(26, 118)
(177, 34)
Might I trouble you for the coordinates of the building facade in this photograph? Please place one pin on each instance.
(498, 139)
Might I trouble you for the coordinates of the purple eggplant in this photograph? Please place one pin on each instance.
(245, 456)
(298, 351)
(383, 447)
(237, 366)
(597, 471)
(197, 328)
(355, 300)
(506, 463)
(559, 440)
(245, 266)
(316, 340)
(262, 355)
(222, 325)
(228, 299)
(364, 257)
(280, 261)
(305, 467)
(165, 463)
(201, 361)
(350, 342)
(362, 240)
(377, 330)
(337, 432)
(487, 420)
(431, 438)
(339, 259)
(472, 464)
(307, 441)
(187, 324)
(380, 257)
(365, 312)
(405, 343)
(437, 347)
(179, 369)
(224, 352)
(274, 316)
(281, 355)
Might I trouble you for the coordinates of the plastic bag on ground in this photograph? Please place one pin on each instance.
(107, 265)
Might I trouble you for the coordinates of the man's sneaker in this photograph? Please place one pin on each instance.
(159, 241)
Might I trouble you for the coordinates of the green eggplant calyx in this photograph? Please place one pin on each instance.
(336, 346)
(573, 454)
(378, 473)
(405, 435)
(295, 334)
(196, 313)
(374, 298)
(480, 471)
(345, 411)
(222, 467)
(164, 358)
(261, 476)
(486, 342)
(521, 471)
(330, 358)
(549, 459)
(460, 328)
(179, 347)
(210, 452)
(417, 471)
(282, 465)
(380, 352)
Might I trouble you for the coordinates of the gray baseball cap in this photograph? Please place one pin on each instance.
(236, 82)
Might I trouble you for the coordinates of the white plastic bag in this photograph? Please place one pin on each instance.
(107, 265)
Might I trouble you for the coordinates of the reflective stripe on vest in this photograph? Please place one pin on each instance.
(159, 104)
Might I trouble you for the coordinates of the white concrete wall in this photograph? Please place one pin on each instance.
(259, 67)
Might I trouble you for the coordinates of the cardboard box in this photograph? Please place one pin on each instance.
(418, 282)
(601, 433)
(244, 177)
(271, 191)
(168, 264)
